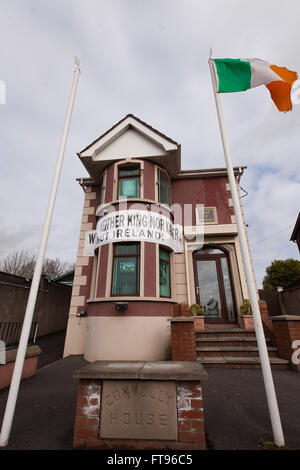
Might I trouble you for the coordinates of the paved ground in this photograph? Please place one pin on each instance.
(236, 413)
(52, 347)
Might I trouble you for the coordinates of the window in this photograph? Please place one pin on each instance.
(129, 181)
(164, 187)
(164, 273)
(126, 269)
(206, 215)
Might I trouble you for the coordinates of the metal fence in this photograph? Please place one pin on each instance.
(10, 333)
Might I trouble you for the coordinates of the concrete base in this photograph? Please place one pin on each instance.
(140, 405)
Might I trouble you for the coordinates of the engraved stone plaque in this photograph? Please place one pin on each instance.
(138, 409)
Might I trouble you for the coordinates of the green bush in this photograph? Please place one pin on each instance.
(196, 310)
(245, 308)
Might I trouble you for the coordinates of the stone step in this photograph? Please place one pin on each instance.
(232, 352)
(241, 362)
(224, 341)
(225, 332)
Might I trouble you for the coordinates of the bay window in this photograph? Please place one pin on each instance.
(164, 187)
(164, 273)
(128, 181)
(126, 269)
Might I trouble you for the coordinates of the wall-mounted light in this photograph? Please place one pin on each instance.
(121, 306)
(80, 314)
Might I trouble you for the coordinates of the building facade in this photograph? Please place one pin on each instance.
(152, 236)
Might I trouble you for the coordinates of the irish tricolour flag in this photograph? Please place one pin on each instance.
(241, 74)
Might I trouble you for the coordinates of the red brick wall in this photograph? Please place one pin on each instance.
(102, 273)
(149, 178)
(183, 339)
(208, 191)
(87, 412)
(190, 412)
(286, 331)
(264, 313)
(150, 270)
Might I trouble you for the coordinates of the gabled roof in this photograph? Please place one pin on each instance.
(296, 229)
(122, 121)
(130, 138)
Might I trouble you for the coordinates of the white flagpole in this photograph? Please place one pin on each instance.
(260, 337)
(18, 368)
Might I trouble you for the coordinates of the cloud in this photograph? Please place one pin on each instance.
(150, 59)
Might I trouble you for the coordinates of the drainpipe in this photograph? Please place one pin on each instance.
(187, 272)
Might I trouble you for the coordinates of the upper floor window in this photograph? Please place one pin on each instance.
(164, 187)
(129, 181)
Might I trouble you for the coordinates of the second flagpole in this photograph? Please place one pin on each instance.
(259, 332)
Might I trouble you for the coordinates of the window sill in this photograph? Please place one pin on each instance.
(103, 207)
(131, 298)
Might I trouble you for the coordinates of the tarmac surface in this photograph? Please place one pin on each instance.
(235, 408)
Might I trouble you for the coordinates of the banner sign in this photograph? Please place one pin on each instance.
(133, 226)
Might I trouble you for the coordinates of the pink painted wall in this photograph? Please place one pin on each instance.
(6, 371)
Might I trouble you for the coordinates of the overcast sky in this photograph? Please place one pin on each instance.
(148, 58)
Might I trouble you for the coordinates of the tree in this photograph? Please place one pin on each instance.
(21, 263)
(282, 273)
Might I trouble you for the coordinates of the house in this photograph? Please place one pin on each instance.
(153, 236)
(66, 279)
(295, 237)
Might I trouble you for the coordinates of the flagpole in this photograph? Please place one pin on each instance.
(18, 368)
(260, 337)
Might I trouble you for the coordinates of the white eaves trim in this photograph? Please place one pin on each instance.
(99, 145)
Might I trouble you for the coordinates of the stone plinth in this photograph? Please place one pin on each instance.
(140, 405)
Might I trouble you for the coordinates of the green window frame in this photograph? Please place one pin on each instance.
(126, 269)
(128, 181)
(164, 187)
(164, 273)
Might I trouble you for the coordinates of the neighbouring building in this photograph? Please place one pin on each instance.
(152, 236)
(295, 237)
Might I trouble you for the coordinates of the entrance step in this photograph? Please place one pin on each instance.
(242, 362)
(228, 341)
(215, 326)
(225, 332)
(233, 348)
(233, 352)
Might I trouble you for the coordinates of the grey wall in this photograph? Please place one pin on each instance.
(290, 301)
(286, 302)
(52, 304)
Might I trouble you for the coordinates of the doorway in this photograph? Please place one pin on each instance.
(213, 285)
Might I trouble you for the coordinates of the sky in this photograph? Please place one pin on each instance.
(148, 58)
